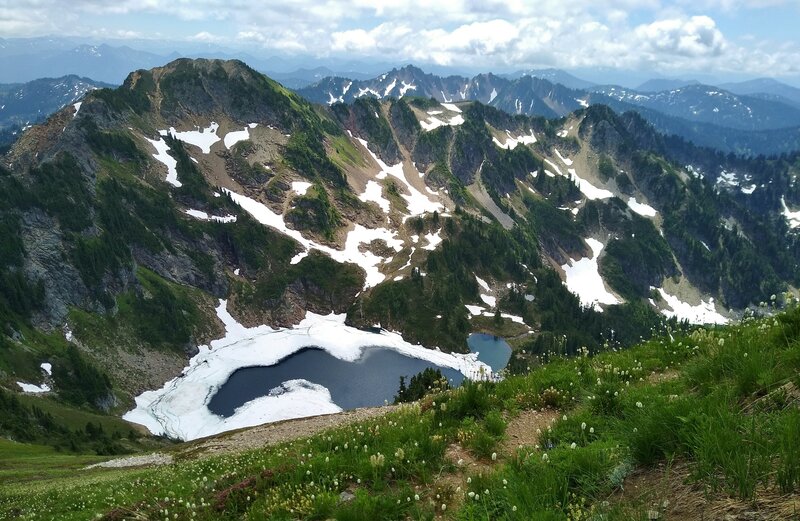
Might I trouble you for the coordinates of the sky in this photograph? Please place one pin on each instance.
(681, 38)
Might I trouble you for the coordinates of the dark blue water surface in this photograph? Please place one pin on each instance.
(492, 350)
(367, 382)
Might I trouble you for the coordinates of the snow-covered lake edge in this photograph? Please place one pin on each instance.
(179, 409)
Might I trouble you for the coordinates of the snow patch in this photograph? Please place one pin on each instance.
(584, 280)
(405, 87)
(163, 156)
(417, 202)
(489, 300)
(365, 91)
(34, 389)
(512, 142)
(374, 192)
(451, 107)
(180, 408)
(77, 107)
(201, 138)
(434, 240)
(203, 216)
(456, 120)
(47, 367)
(300, 187)
(642, 209)
(483, 283)
(367, 260)
(231, 138)
(792, 217)
(567, 161)
(391, 87)
(588, 189)
(703, 313)
(493, 95)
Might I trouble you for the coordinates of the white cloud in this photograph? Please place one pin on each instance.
(205, 36)
(477, 33)
(696, 36)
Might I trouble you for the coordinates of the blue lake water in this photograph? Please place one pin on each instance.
(492, 350)
(367, 382)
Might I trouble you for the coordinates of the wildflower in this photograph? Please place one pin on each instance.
(400, 454)
(377, 460)
(494, 456)
(583, 426)
(573, 445)
(639, 405)
(591, 430)
(444, 507)
(416, 497)
(514, 508)
(545, 457)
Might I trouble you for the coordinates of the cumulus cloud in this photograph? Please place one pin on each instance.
(696, 36)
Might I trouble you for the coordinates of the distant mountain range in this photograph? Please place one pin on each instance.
(746, 117)
(555, 76)
(101, 62)
(706, 115)
(24, 104)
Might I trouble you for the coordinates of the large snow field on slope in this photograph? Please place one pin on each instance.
(584, 280)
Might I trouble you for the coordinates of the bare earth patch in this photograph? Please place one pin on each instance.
(522, 429)
(278, 432)
(146, 460)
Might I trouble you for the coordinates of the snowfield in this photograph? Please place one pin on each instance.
(33, 389)
(792, 217)
(180, 408)
(231, 138)
(203, 216)
(584, 280)
(374, 192)
(300, 187)
(351, 253)
(703, 313)
(512, 142)
(201, 138)
(167, 160)
(642, 209)
(417, 202)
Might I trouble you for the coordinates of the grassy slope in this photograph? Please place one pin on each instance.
(720, 400)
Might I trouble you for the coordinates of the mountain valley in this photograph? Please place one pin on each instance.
(202, 219)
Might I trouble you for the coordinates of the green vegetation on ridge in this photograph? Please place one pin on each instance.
(719, 404)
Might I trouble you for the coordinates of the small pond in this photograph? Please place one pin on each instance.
(492, 350)
(367, 382)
